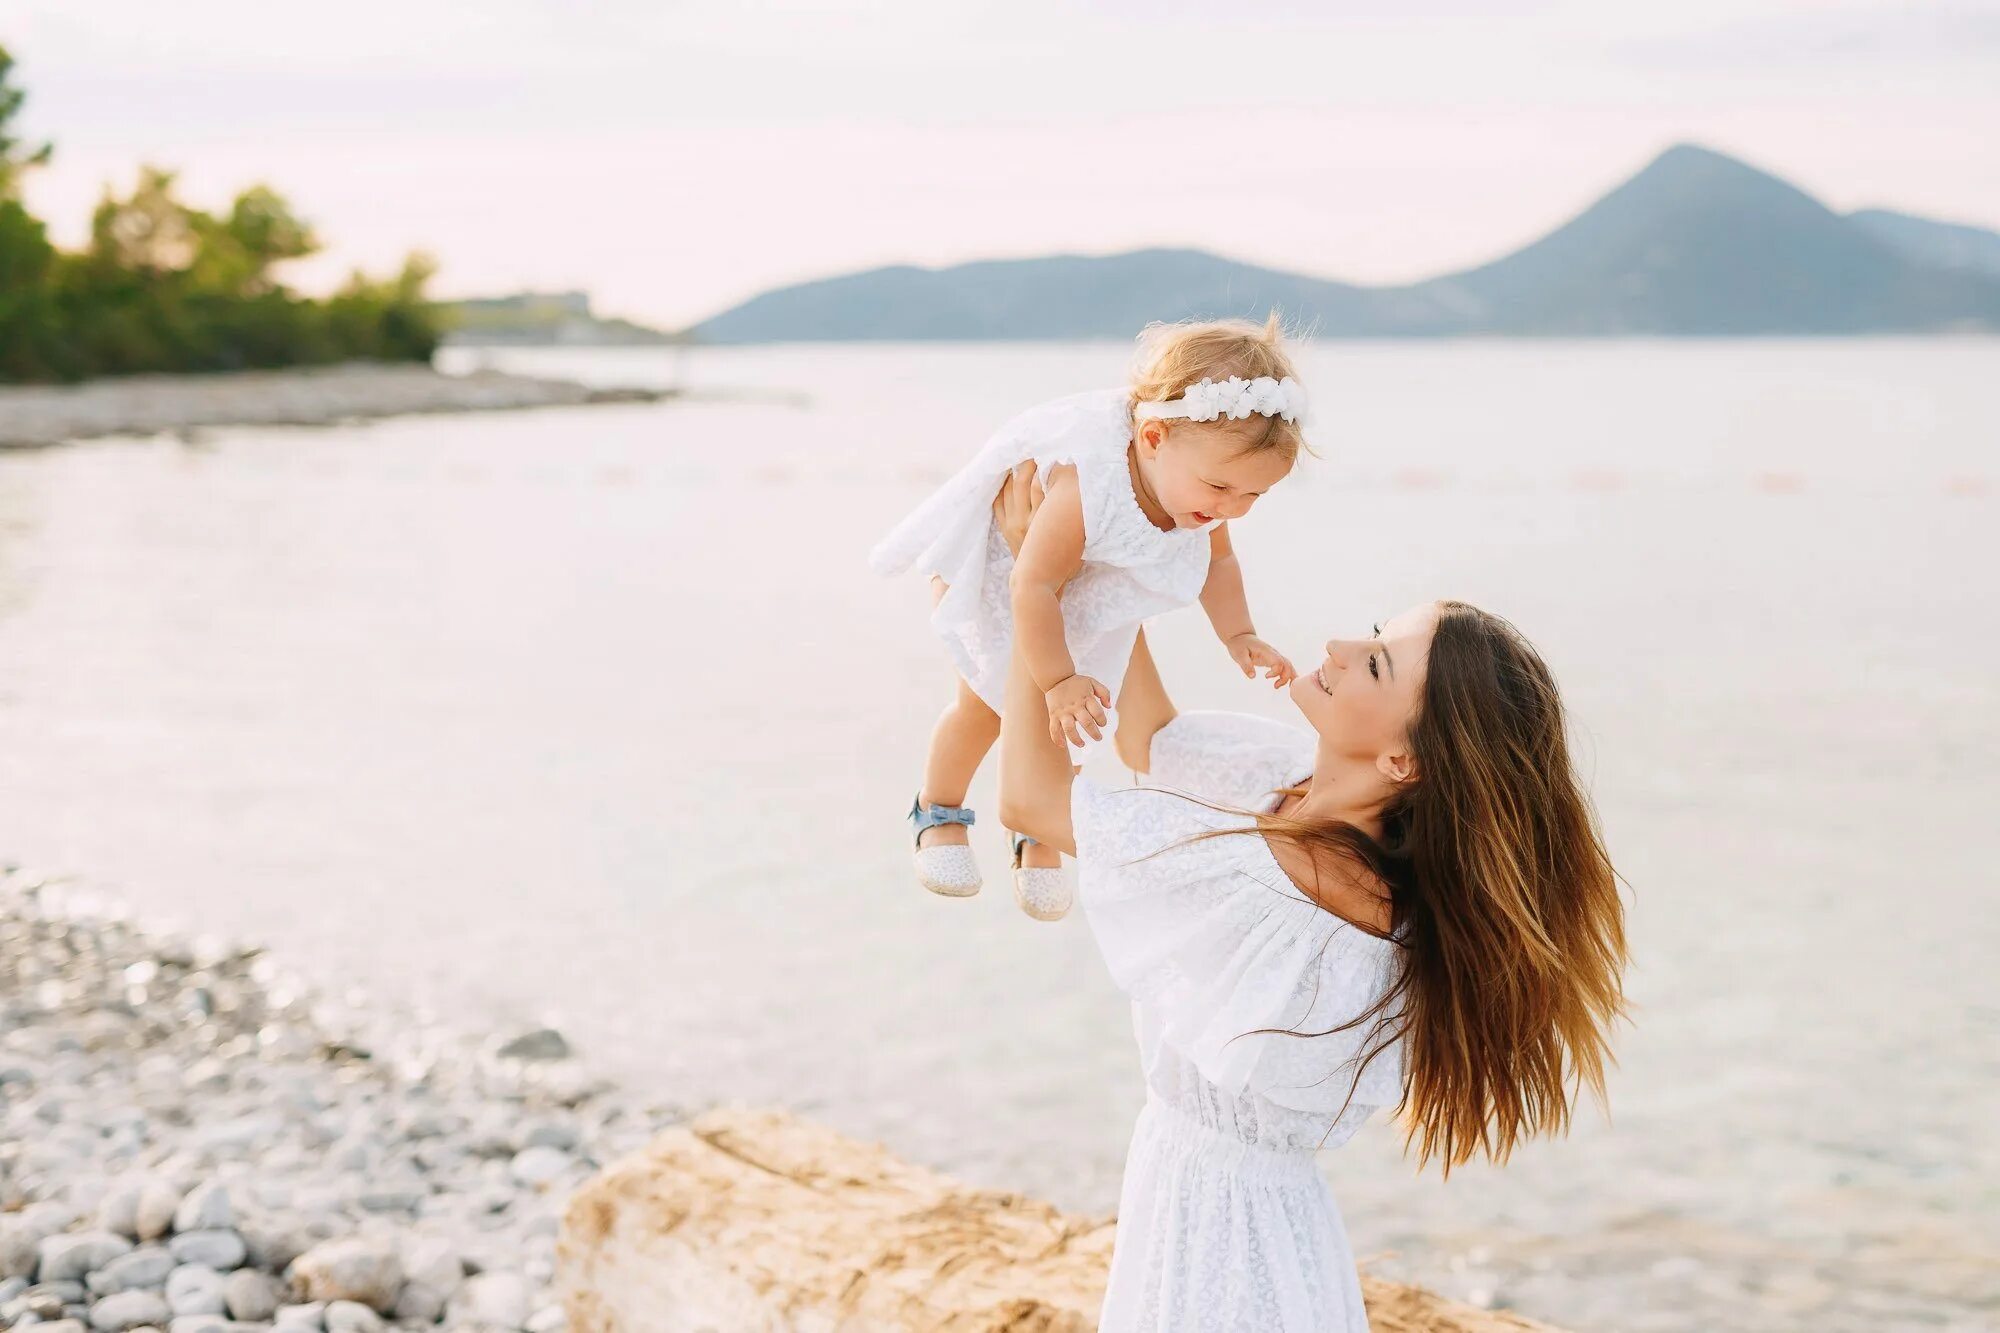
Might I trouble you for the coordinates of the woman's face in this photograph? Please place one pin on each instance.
(1362, 698)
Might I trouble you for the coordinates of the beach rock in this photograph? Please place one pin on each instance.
(250, 1295)
(351, 1317)
(62, 1326)
(128, 1309)
(360, 1269)
(196, 1289)
(147, 1266)
(11, 1288)
(498, 1299)
(551, 1132)
(199, 1323)
(548, 1319)
(756, 1219)
(219, 1249)
(73, 1255)
(19, 1252)
(118, 1210)
(206, 1208)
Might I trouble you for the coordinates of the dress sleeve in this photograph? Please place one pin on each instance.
(1232, 759)
(1225, 957)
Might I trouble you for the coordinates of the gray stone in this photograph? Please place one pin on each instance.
(540, 1044)
(550, 1132)
(309, 1315)
(62, 1326)
(128, 1309)
(206, 1208)
(419, 1303)
(351, 1317)
(153, 1216)
(11, 1288)
(251, 1295)
(219, 1249)
(146, 1266)
(497, 1298)
(198, 1323)
(65, 1292)
(195, 1289)
(69, 1257)
(548, 1319)
(19, 1252)
(540, 1165)
(359, 1268)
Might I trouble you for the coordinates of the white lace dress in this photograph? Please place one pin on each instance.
(1224, 1223)
(1131, 570)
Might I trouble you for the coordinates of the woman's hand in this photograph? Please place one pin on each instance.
(1076, 710)
(1014, 507)
(1250, 652)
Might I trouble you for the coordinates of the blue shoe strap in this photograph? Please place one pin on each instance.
(924, 817)
(1017, 841)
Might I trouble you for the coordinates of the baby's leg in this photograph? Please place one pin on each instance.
(963, 735)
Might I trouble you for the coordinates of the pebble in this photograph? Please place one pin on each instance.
(218, 1249)
(146, 1266)
(206, 1208)
(250, 1295)
(128, 1309)
(188, 1096)
(195, 1289)
(499, 1298)
(540, 1165)
(70, 1257)
(351, 1317)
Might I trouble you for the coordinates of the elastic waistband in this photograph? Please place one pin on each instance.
(1216, 1146)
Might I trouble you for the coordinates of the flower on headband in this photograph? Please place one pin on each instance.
(1235, 398)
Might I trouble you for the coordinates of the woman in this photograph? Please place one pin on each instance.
(1406, 904)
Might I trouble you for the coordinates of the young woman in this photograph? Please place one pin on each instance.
(1404, 903)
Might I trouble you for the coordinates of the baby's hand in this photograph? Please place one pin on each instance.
(1076, 710)
(1250, 652)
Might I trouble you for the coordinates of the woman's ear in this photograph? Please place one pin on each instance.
(1398, 766)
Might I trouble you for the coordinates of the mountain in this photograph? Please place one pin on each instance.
(1697, 243)
(1942, 244)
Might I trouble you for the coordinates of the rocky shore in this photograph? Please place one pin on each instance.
(39, 415)
(191, 1141)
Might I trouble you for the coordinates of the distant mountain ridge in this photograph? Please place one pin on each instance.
(1696, 244)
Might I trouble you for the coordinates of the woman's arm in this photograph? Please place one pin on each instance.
(1143, 708)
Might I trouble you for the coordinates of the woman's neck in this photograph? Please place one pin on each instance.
(1149, 504)
(1338, 793)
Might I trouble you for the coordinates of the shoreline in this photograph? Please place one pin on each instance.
(42, 416)
(199, 1140)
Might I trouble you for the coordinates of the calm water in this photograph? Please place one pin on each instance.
(594, 716)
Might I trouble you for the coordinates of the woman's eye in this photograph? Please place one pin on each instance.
(1371, 667)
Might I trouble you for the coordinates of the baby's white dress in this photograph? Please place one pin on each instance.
(1224, 1223)
(1131, 569)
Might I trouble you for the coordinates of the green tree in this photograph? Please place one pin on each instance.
(16, 155)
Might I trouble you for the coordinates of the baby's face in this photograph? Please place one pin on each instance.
(1199, 472)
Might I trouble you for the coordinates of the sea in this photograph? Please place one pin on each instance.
(595, 717)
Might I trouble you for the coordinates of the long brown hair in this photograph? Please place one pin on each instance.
(1503, 899)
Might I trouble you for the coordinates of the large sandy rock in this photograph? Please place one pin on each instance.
(755, 1222)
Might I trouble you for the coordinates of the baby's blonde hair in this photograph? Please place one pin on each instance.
(1174, 356)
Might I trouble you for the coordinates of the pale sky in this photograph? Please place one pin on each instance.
(674, 158)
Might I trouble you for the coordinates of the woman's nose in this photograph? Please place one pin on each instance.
(1336, 652)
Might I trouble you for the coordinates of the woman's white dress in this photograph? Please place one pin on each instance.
(1131, 569)
(1224, 1223)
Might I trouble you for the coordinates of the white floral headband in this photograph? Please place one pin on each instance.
(1234, 398)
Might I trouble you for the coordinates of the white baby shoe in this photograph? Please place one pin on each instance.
(947, 869)
(1044, 894)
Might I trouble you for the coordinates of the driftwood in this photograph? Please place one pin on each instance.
(757, 1222)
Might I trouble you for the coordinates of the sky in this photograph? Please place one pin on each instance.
(673, 158)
